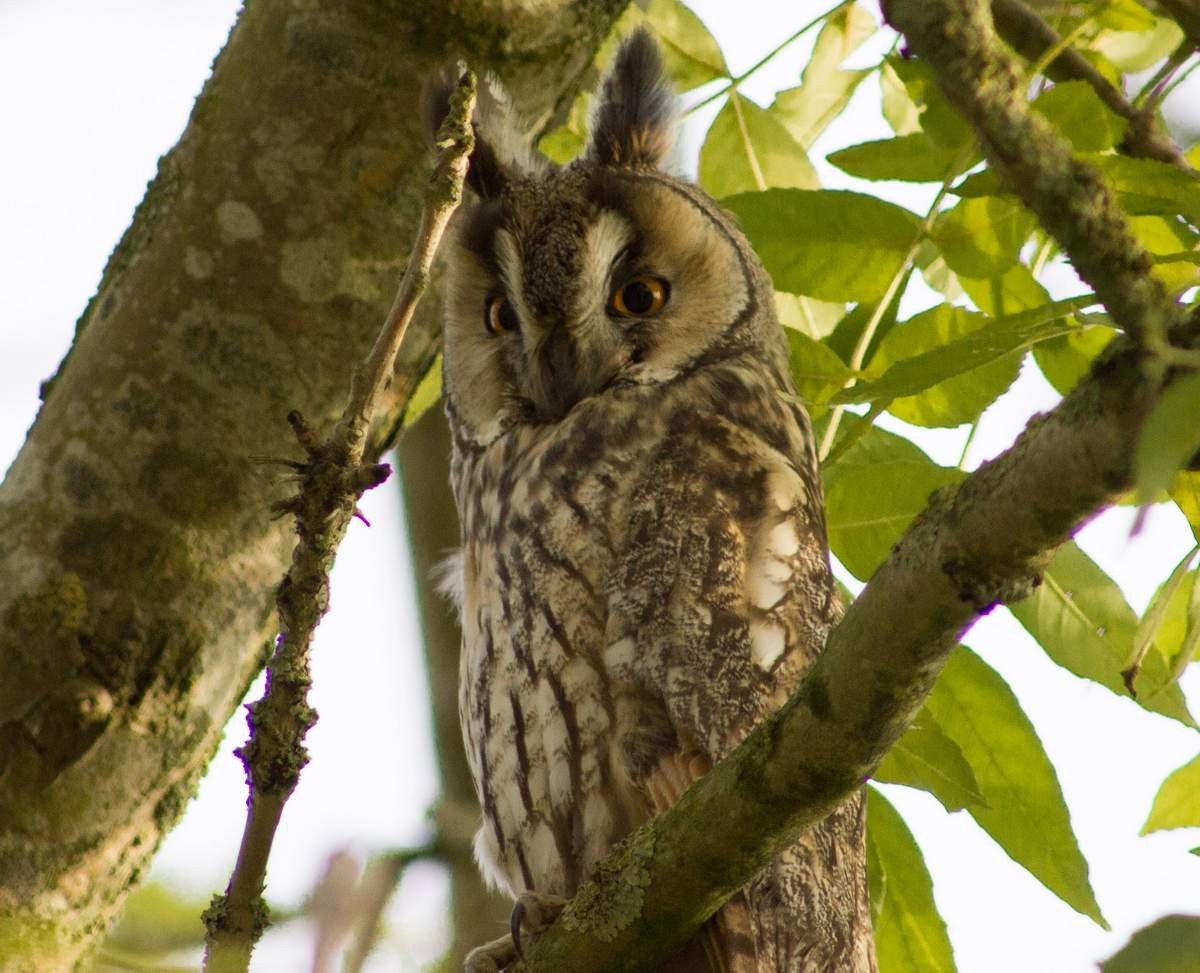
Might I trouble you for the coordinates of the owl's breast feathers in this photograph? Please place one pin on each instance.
(642, 583)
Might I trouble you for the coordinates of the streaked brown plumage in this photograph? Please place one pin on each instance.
(644, 573)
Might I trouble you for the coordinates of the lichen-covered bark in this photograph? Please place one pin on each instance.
(136, 547)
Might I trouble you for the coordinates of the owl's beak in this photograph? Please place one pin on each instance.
(567, 367)
(559, 383)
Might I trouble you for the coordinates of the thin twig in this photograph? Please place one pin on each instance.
(379, 880)
(334, 478)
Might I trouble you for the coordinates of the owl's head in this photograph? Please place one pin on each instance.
(564, 283)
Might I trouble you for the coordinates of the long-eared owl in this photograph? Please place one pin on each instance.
(644, 573)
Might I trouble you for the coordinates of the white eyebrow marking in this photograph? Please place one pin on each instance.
(606, 238)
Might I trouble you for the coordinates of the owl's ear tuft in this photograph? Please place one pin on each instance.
(500, 153)
(635, 122)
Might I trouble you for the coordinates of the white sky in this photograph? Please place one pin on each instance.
(90, 95)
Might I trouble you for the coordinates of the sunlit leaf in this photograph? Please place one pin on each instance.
(900, 111)
(910, 934)
(1177, 803)
(1077, 111)
(908, 158)
(692, 55)
(1136, 50)
(1169, 945)
(1174, 247)
(869, 507)
(1066, 359)
(564, 143)
(747, 148)
(1170, 437)
(938, 117)
(850, 329)
(1150, 186)
(1014, 290)
(817, 319)
(1025, 812)
(936, 273)
(833, 245)
(426, 394)
(937, 362)
(1185, 491)
(1084, 624)
(874, 445)
(817, 371)
(982, 237)
(927, 759)
(825, 87)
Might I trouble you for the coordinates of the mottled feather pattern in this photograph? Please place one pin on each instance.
(644, 573)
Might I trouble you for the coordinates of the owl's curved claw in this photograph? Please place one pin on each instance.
(533, 911)
(532, 914)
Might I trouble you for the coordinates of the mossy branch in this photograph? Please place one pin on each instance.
(332, 479)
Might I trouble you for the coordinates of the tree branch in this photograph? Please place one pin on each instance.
(1187, 14)
(1028, 34)
(978, 544)
(334, 478)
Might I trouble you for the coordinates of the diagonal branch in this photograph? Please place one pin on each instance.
(978, 544)
(334, 478)
(1187, 14)
(1023, 28)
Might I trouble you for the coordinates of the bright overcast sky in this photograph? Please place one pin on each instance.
(90, 95)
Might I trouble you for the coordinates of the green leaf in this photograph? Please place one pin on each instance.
(1170, 437)
(1185, 491)
(426, 394)
(936, 273)
(872, 446)
(1014, 290)
(898, 108)
(1177, 803)
(1077, 111)
(1136, 50)
(869, 507)
(1179, 630)
(1169, 945)
(927, 759)
(1025, 812)
(692, 55)
(910, 934)
(908, 158)
(1150, 186)
(829, 244)
(952, 363)
(826, 88)
(817, 319)
(849, 330)
(747, 148)
(1084, 624)
(564, 143)
(1066, 359)
(938, 117)
(982, 237)
(817, 371)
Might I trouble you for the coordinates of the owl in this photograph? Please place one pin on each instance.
(644, 572)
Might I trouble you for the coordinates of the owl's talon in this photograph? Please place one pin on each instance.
(535, 912)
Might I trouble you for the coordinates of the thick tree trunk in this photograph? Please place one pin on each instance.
(137, 549)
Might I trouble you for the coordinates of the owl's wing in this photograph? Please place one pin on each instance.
(724, 597)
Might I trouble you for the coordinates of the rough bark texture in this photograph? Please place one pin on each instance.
(135, 542)
(424, 465)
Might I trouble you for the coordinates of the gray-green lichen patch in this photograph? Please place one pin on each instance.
(613, 898)
(238, 222)
(317, 270)
(198, 263)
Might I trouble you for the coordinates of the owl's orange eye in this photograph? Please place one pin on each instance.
(499, 317)
(641, 297)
